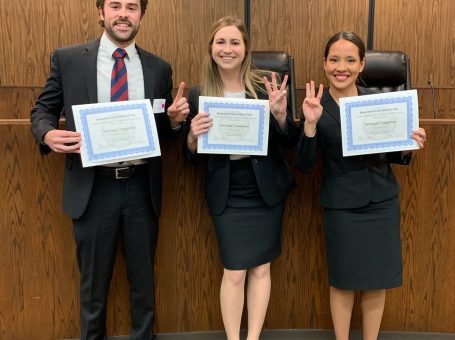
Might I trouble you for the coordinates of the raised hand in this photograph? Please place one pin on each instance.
(312, 108)
(179, 109)
(277, 97)
(63, 141)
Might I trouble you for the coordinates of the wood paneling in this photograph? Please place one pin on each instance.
(176, 30)
(17, 102)
(424, 30)
(427, 299)
(39, 276)
(32, 29)
(302, 29)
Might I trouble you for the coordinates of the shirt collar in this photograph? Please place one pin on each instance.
(109, 47)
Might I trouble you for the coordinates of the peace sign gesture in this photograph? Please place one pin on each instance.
(277, 98)
(179, 109)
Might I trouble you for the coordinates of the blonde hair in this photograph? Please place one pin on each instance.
(251, 77)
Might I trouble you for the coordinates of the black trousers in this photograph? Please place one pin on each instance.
(120, 210)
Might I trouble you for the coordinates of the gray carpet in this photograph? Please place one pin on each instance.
(301, 335)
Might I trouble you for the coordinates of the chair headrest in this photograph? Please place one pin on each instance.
(271, 60)
(384, 69)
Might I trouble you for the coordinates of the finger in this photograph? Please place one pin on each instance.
(180, 91)
(274, 85)
(312, 90)
(282, 95)
(307, 90)
(67, 133)
(267, 85)
(284, 83)
(320, 92)
(181, 105)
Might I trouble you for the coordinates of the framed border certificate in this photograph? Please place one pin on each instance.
(116, 131)
(379, 122)
(240, 126)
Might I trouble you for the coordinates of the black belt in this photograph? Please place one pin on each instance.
(123, 172)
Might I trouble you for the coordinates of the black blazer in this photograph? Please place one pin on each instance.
(348, 182)
(272, 173)
(73, 81)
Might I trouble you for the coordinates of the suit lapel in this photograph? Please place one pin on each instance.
(330, 106)
(89, 56)
(147, 70)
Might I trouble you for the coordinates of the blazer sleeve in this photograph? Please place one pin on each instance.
(288, 136)
(306, 151)
(46, 113)
(193, 103)
(163, 89)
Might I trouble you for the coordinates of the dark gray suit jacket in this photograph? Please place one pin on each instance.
(348, 182)
(273, 176)
(73, 81)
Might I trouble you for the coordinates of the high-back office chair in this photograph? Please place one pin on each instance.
(385, 71)
(282, 63)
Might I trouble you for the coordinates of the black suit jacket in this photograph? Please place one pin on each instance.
(73, 81)
(348, 182)
(272, 173)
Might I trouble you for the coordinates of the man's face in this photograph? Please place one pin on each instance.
(122, 19)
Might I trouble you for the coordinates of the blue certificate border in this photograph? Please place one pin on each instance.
(257, 107)
(92, 156)
(371, 146)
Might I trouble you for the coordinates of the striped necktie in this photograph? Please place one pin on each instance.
(119, 80)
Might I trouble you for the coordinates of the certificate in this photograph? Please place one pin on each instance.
(379, 123)
(240, 126)
(116, 131)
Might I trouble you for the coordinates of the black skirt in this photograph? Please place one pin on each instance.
(364, 246)
(248, 230)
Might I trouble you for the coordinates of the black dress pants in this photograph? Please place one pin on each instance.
(120, 210)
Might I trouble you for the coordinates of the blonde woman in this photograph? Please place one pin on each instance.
(245, 194)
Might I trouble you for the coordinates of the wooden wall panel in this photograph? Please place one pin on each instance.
(427, 299)
(177, 30)
(302, 29)
(173, 29)
(32, 29)
(424, 30)
(39, 276)
(16, 102)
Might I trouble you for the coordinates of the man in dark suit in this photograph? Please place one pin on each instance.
(119, 200)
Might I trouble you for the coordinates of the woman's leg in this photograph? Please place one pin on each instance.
(258, 294)
(372, 303)
(231, 299)
(341, 303)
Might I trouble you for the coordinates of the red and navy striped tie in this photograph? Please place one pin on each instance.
(119, 80)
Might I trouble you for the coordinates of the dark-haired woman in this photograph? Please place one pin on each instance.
(359, 195)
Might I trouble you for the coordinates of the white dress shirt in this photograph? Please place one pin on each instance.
(105, 63)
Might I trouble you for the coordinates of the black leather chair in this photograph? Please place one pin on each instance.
(385, 71)
(282, 63)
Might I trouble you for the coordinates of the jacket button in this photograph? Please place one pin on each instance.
(255, 161)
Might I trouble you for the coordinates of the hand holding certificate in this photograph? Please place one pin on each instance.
(379, 123)
(116, 131)
(240, 126)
